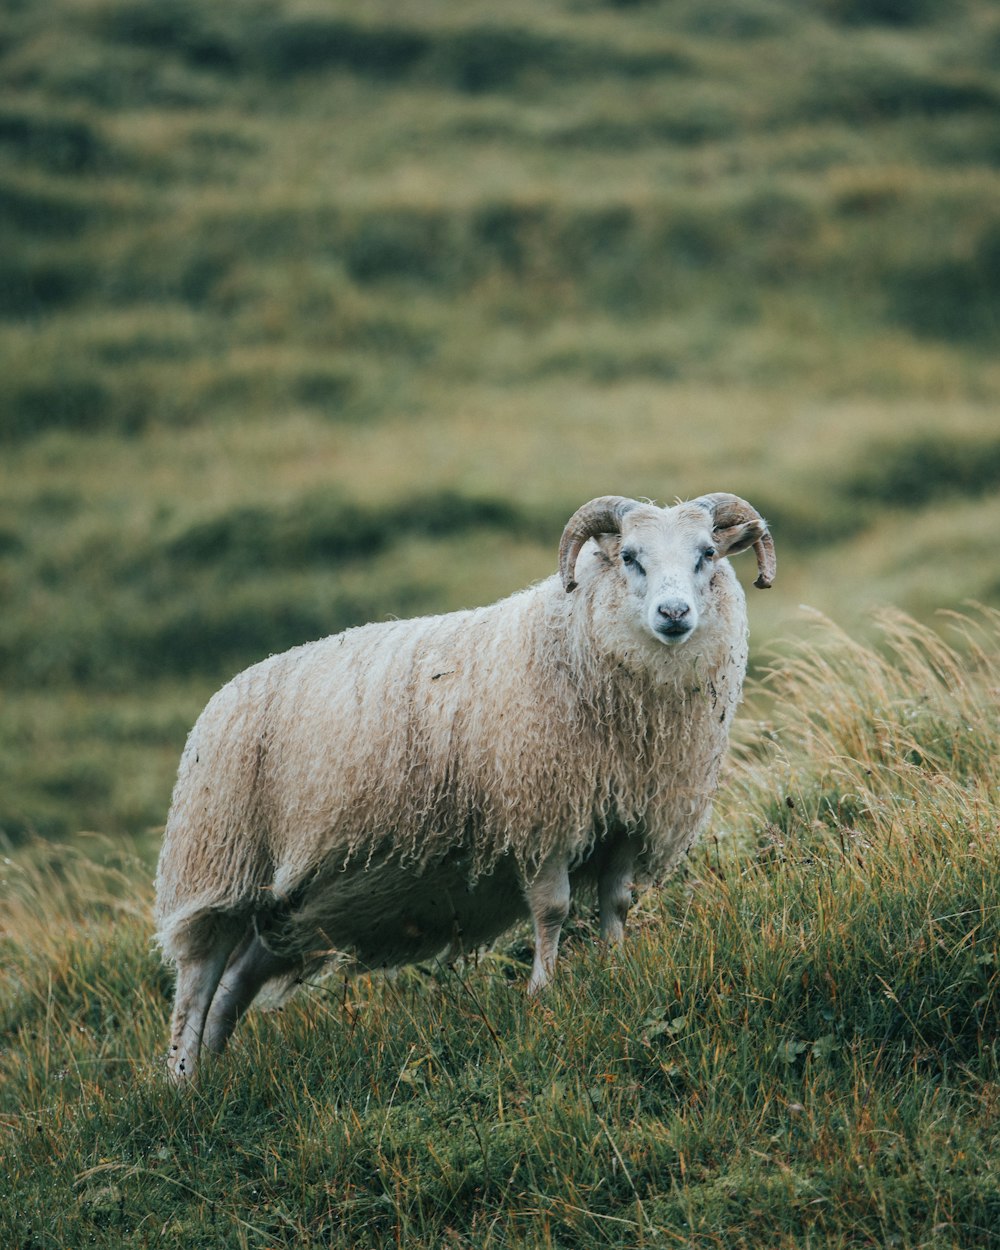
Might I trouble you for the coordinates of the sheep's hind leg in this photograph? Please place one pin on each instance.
(252, 966)
(201, 955)
(614, 889)
(548, 898)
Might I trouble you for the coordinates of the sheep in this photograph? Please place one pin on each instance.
(410, 789)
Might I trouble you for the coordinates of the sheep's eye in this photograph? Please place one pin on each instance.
(630, 561)
(707, 554)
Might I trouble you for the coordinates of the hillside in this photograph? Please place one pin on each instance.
(314, 312)
(311, 314)
(796, 1046)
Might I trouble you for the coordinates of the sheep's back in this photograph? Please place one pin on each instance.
(389, 732)
(501, 730)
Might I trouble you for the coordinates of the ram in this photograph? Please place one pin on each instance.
(412, 788)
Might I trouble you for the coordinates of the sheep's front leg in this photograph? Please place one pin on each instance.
(241, 982)
(548, 897)
(197, 978)
(614, 889)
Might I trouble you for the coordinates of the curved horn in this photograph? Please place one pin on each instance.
(728, 512)
(600, 516)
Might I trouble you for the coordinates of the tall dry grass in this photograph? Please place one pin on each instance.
(796, 1046)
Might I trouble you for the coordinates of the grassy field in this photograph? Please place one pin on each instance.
(315, 313)
(795, 1047)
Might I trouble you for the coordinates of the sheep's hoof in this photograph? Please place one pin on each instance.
(179, 1070)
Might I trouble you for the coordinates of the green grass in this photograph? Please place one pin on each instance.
(309, 316)
(796, 1045)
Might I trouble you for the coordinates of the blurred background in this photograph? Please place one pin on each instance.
(315, 313)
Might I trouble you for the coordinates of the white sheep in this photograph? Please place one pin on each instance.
(410, 788)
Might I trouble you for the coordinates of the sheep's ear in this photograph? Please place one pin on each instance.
(600, 516)
(609, 545)
(737, 524)
(735, 538)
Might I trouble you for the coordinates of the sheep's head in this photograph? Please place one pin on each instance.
(666, 556)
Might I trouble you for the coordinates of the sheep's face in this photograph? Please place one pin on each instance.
(666, 558)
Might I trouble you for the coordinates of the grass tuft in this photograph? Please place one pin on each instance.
(914, 472)
(952, 296)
